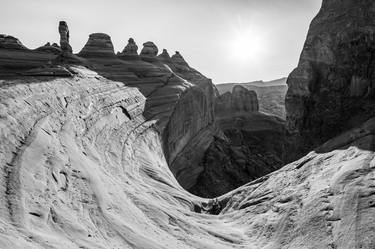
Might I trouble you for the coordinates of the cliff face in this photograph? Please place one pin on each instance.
(332, 89)
(253, 144)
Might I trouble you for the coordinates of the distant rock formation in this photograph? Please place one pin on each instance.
(10, 42)
(64, 37)
(165, 57)
(149, 51)
(98, 45)
(271, 94)
(240, 100)
(130, 51)
(332, 89)
(178, 59)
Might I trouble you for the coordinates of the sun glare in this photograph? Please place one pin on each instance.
(248, 46)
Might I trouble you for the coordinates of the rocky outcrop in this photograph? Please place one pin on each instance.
(130, 51)
(11, 43)
(98, 45)
(239, 101)
(149, 51)
(271, 94)
(165, 57)
(332, 88)
(178, 59)
(64, 37)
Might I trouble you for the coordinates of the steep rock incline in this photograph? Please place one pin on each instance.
(81, 168)
(253, 145)
(332, 89)
(162, 81)
(190, 130)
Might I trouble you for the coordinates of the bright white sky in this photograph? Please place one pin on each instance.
(227, 40)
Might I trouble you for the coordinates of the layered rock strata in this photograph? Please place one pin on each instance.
(81, 168)
(98, 45)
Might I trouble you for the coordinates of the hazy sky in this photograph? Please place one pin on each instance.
(227, 40)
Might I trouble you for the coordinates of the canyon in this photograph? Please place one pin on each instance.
(139, 150)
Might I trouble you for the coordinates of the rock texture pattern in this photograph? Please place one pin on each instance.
(130, 51)
(84, 163)
(98, 45)
(149, 51)
(332, 89)
(81, 168)
(271, 94)
(253, 145)
(64, 37)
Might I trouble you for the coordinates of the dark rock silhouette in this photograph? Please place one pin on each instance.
(64, 37)
(332, 89)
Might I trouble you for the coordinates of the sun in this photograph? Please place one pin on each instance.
(248, 46)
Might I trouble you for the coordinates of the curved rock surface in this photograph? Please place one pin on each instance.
(332, 89)
(83, 165)
(81, 168)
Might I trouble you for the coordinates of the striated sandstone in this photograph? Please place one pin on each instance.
(81, 167)
(98, 45)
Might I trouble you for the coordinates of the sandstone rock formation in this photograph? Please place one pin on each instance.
(48, 48)
(64, 37)
(149, 51)
(332, 88)
(165, 57)
(84, 163)
(239, 101)
(98, 45)
(10, 42)
(271, 94)
(130, 51)
(81, 168)
(253, 145)
(178, 59)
